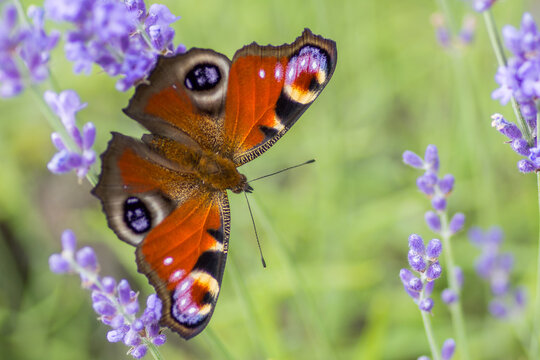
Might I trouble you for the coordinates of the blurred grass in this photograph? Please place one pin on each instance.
(333, 234)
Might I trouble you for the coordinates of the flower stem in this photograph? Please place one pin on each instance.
(455, 308)
(496, 44)
(533, 347)
(429, 334)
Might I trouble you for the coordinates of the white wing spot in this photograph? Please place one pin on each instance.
(167, 261)
(262, 74)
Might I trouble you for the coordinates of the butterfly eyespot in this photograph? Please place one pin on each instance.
(202, 77)
(136, 215)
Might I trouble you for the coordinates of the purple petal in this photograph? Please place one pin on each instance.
(457, 222)
(159, 340)
(69, 241)
(416, 244)
(446, 184)
(433, 221)
(448, 349)
(109, 284)
(434, 249)
(58, 264)
(124, 292)
(431, 158)
(139, 351)
(86, 258)
(438, 203)
(413, 160)
(448, 296)
(426, 304)
(434, 271)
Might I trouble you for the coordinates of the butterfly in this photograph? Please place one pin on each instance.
(166, 194)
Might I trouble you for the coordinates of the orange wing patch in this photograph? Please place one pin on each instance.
(184, 258)
(255, 84)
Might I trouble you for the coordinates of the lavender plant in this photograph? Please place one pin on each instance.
(116, 304)
(518, 79)
(495, 267)
(24, 49)
(124, 39)
(437, 189)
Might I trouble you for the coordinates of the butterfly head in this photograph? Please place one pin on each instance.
(242, 186)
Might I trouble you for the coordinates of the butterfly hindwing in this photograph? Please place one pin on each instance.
(269, 88)
(184, 258)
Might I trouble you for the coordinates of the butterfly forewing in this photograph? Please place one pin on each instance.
(269, 88)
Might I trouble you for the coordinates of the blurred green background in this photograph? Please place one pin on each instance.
(334, 234)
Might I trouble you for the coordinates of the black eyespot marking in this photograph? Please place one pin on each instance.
(136, 215)
(202, 77)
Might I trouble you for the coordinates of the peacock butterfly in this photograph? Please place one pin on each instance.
(166, 194)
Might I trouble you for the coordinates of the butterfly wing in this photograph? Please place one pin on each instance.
(269, 87)
(184, 98)
(180, 229)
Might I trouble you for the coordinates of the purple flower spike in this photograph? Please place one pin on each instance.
(116, 305)
(434, 249)
(426, 304)
(416, 244)
(413, 160)
(431, 158)
(423, 357)
(65, 105)
(457, 222)
(448, 349)
(448, 296)
(122, 37)
(433, 221)
(24, 49)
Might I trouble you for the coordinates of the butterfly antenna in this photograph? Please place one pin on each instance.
(255, 228)
(282, 170)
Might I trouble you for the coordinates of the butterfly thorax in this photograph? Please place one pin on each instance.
(220, 173)
(215, 171)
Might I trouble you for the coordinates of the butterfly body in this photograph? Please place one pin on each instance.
(166, 194)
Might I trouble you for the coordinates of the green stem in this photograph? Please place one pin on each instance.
(496, 44)
(455, 308)
(533, 349)
(429, 334)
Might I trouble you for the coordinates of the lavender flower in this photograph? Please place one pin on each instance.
(447, 350)
(122, 37)
(65, 105)
(451, 41)
(520, 79)
(495, 267)
(482, 5)
(424, 261)
(116, 305)
(24, 50)
(436, 188)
